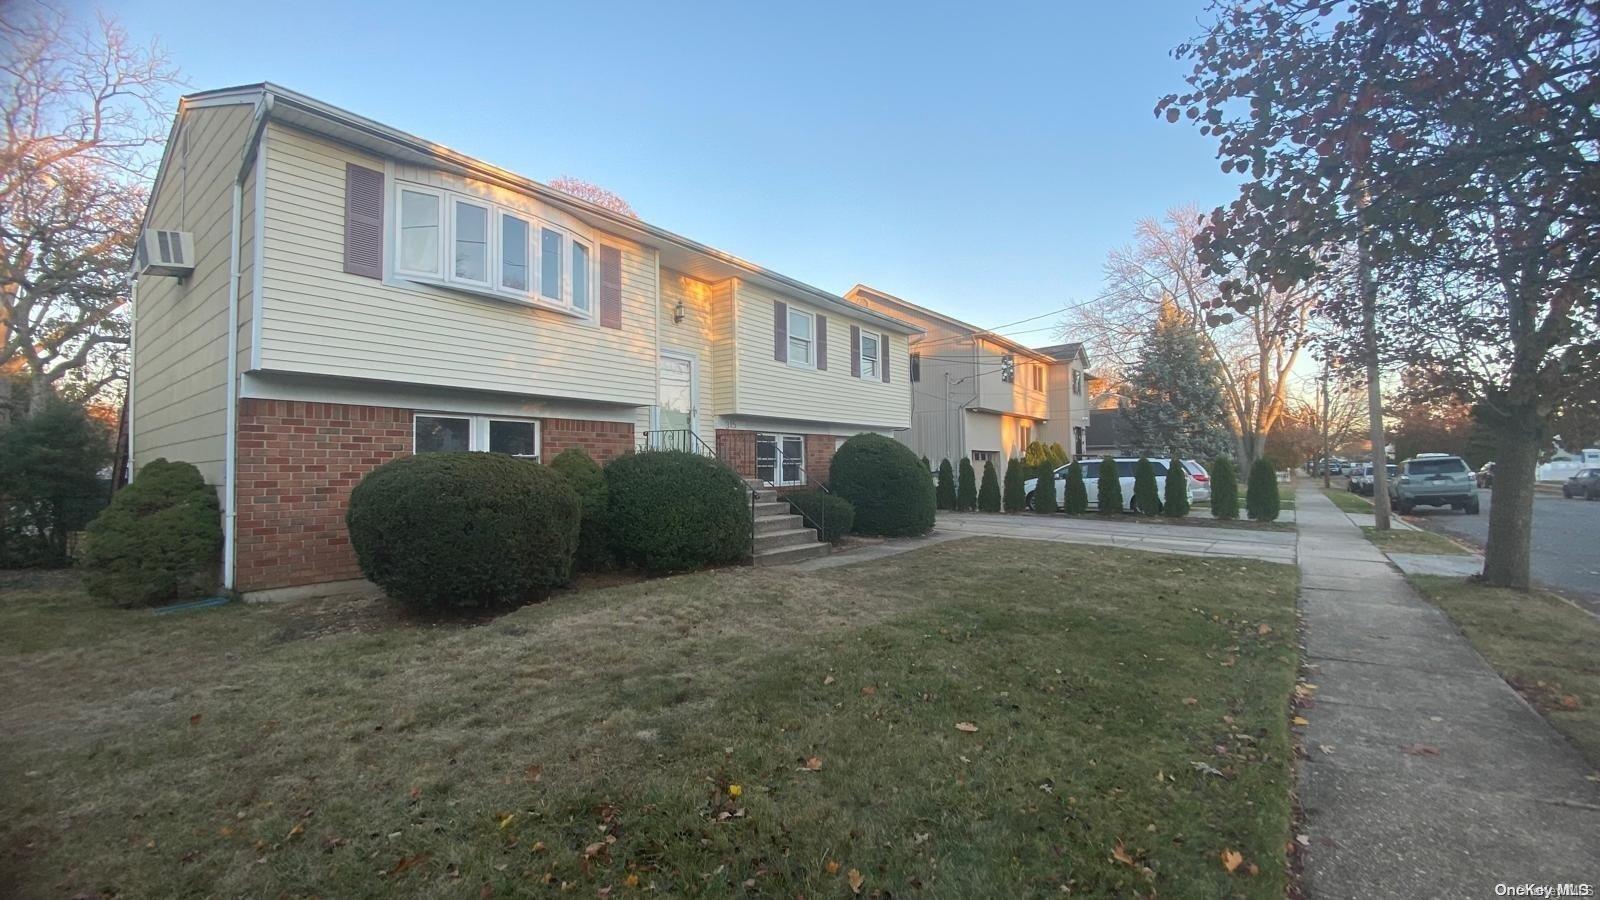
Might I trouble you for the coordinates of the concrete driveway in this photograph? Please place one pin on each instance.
(1193, 540)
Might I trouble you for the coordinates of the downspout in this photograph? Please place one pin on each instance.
(230, 454)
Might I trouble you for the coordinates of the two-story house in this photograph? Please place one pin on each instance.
(353, 293)
(980, 395)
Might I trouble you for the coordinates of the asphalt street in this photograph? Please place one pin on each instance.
(1566, 541)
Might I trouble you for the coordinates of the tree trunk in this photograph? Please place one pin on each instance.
(1368, 285)
(1505, 557)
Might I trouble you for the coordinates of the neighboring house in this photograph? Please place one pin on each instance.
(1105, 437)
(980, 395)
(358, 294)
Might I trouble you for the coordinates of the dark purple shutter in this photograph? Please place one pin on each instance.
(780, 331)
(610, 287)
(883, 356)
(363, 221)
(855, 351)
(822, 342)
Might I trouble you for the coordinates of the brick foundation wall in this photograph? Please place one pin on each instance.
(297, 464)
(604, 441)
(738, 448)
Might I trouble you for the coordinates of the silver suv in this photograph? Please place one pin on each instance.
(1434, 479)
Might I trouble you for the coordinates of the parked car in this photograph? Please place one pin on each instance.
(1486, 475)
(1584, 483)
(1362, 482)
(1125, 467)
(1434, 479)
(1199, 481)
(1358, 474)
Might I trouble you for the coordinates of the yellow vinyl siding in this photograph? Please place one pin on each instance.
(247, 267)
(695, 335)
(319, 320)
(723, 356)
(771, 388)
(179, 377)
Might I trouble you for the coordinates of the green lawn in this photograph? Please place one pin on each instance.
(1397, 541)
(1542, 645)
(980, 718)
(1347, 501)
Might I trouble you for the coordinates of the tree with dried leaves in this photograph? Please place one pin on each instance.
(1454, 146)
(1256, 348)
(1333, 410)
(593, 193)
(82, 108)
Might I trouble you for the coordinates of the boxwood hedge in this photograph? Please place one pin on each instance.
(670, 510)
(886, 483)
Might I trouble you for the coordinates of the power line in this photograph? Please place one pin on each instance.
(995, 331)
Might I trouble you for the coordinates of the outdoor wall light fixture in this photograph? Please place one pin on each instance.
(677, 313)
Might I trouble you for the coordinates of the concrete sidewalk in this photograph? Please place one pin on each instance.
(1426, 776)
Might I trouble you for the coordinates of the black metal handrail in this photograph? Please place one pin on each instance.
(805, 477)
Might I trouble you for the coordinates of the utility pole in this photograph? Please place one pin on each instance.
(1327, 437)
(1368, 286)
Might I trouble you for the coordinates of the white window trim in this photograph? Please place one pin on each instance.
(574, 241)
(491, 253)
(399, 229)
(445, 276)
(478, 430)
(811, 341)
(777, 461)
(531, 274)
(877, 361)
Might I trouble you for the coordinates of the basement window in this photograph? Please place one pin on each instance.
(442, 433)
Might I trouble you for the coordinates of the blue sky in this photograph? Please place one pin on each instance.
(981, 164)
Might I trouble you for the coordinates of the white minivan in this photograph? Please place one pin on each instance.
(1199, 481)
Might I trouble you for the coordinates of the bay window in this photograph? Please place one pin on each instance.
(442, 433)
(470, 244)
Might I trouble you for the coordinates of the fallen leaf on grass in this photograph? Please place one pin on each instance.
(1421, 749)
(856, 881)
(298, 829)
(832, 866)
(735, 790)
(1325, 748)
(1190, 701)
(1120, 854)
(828, 679)
(1301, 720)
(533, 773)
(812, 764)
(869, 691)
(1264, 628)
(194, 719)
(968, 727)
(409, 862)
(1231, 859)
(506, 819)
(632, 880)
(1571, 701)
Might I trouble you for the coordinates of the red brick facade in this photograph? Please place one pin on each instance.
(298, 461)
(738, 449)
(604, 441)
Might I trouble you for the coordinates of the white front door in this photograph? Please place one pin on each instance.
(675, 408)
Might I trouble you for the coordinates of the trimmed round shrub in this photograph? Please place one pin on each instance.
(671, 510)
(945, 495)
(1146, 495)
(159, 540)
(886, 484)
(835, 514)
(1224, 489)
(1176, 499)
(443, 530)
(966, 487)
(1261, 494)
(589, 482)
(989, 492)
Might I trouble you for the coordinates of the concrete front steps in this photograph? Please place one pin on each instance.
(782, 536)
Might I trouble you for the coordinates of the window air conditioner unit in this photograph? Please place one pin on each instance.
(164, 253)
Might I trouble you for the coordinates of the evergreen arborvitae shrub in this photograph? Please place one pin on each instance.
(1077, 499)
(989, 492)
(50, 483)
(1044, 490)
(1224, 489)
(159, 540)
(1108, 488)
(1261, 494)
(443, 530)
(946, 494)
(966, 487)
(1015, 498)
(589, 482)
(671, 510)
(1146, 493)
(886, 484)
(1176, 504)
(833, 514)
(927, 466)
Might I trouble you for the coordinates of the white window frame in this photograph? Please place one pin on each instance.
(500, 217)
(399, 230)
(445, 276)
(811, 342)
(877, 360)
(573, 242)
(778, 439)
(491, 255)
(478, 430)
